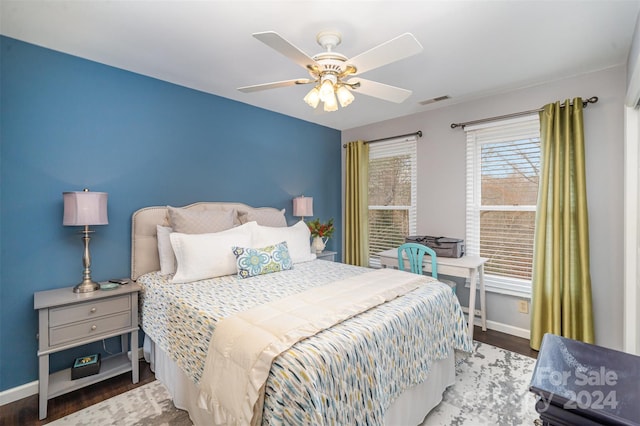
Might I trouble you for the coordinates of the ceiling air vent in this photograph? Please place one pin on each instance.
(438, 99)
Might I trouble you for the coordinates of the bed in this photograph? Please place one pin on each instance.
(389, 364)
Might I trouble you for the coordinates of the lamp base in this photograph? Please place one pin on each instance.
(86, 286)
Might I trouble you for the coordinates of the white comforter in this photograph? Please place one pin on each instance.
(244, 345)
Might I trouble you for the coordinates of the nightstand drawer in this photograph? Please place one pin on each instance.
(87, 329)
(87, 310)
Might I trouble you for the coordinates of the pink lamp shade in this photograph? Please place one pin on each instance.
(303, 206)
(83, 208)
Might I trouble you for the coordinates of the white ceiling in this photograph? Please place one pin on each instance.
(471, 48)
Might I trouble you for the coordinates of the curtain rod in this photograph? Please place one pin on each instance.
(591, 100)
(418, 134)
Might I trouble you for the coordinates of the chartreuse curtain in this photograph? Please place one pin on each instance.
(356, 210)
(561, 283)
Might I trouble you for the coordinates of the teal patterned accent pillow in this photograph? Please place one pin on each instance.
(254, 261)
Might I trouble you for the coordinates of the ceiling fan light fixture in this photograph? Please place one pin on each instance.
(345, 97)
(326, 90)
(313, 97)
(331, 103)
(331, 71)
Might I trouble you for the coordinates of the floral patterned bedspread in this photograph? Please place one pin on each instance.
(348, 374)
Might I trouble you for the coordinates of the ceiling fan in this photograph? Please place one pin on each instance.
(333, 75)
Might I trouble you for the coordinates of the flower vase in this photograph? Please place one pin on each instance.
(318, 244)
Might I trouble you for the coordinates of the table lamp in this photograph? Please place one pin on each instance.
(303, 206)
(85, 208)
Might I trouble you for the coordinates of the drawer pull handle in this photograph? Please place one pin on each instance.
(93, 327)
(93, 310)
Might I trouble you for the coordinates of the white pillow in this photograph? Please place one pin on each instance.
(297, 238)
(202, 256)
(165, 251)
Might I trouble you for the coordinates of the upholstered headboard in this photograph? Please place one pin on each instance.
(144, 242)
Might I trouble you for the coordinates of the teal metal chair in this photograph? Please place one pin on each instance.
(415, 255)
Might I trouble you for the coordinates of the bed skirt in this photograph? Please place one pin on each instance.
(410, 408)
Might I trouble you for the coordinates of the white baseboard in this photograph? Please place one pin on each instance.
(504, 328)
(14, 394)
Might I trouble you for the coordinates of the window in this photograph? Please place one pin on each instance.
(503, 167)
(392, 194)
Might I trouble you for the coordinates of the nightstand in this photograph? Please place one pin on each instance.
(327, 255)
(67, 320)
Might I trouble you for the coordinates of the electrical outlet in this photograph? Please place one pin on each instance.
(523, 306)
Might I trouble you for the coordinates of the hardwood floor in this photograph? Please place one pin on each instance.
(25, 411)
(504, 341)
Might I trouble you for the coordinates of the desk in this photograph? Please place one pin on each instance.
(471, 267)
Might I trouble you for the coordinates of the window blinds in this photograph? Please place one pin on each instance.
(392, 194)
(503, 167)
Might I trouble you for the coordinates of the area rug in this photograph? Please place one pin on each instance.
(491, 389)
(145, 405)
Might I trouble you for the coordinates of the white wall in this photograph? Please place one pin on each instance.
(441, 182)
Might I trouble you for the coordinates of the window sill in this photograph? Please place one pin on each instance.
(508, 286)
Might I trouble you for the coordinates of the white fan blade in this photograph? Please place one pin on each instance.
(393, 50)
(277, 42)
(274, 85)
(380, 90)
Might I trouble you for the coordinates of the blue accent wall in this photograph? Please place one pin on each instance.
(67, 123)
